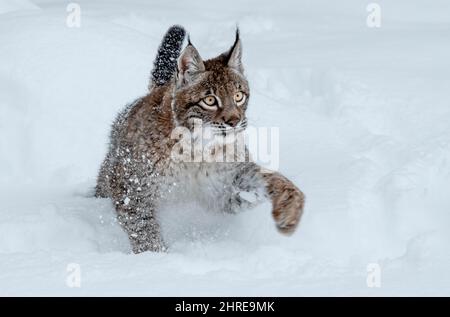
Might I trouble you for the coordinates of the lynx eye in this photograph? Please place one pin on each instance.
(209, 100)
(239, 98)
(209, 103)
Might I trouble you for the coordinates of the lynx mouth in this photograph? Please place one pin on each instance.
(218, 129)
(225, 129)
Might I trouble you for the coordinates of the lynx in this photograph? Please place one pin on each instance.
(139, 172)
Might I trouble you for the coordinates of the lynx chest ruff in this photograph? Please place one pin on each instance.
(212, 185)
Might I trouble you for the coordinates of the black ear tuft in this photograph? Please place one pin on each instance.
(236, 41)
(234, 55)
(237, 38)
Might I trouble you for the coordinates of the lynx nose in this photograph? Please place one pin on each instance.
(231, 118)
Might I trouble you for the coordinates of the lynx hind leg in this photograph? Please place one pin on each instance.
(287, 202)
(106, 174)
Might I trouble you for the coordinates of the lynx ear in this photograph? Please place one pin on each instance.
(235, 54)
(190, 64)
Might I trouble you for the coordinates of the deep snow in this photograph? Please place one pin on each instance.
(364, 131)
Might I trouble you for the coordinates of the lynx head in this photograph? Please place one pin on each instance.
(215, 91)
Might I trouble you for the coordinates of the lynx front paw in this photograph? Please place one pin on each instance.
(287, 208)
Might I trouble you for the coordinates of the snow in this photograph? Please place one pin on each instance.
(363, 116)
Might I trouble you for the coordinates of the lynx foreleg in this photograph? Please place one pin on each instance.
(287, 200)
(143, 231)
